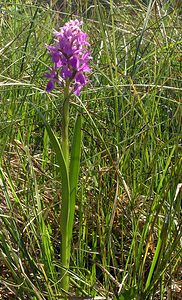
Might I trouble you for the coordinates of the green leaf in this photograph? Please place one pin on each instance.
(74, 169)
(65, 209)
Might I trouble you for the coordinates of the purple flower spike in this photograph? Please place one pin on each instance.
(70, 57)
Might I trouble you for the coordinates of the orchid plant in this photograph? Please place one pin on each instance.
(70, 58)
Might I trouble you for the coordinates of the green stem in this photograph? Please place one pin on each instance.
(65, 245)
(65, 259)
(65, 123)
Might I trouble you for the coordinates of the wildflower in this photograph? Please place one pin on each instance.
(70, 58)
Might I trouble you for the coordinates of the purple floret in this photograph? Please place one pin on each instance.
(70, 57)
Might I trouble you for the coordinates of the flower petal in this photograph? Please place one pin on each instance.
(77, 89)
(66, 73)
(74, 62)
(50, 86)
(80, 78)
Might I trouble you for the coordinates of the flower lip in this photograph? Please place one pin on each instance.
(80, 78)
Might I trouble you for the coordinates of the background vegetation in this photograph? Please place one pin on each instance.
(127, 233)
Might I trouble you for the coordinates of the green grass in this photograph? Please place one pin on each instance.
(127, 231)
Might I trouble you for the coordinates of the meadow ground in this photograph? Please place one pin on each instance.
(127, 229)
